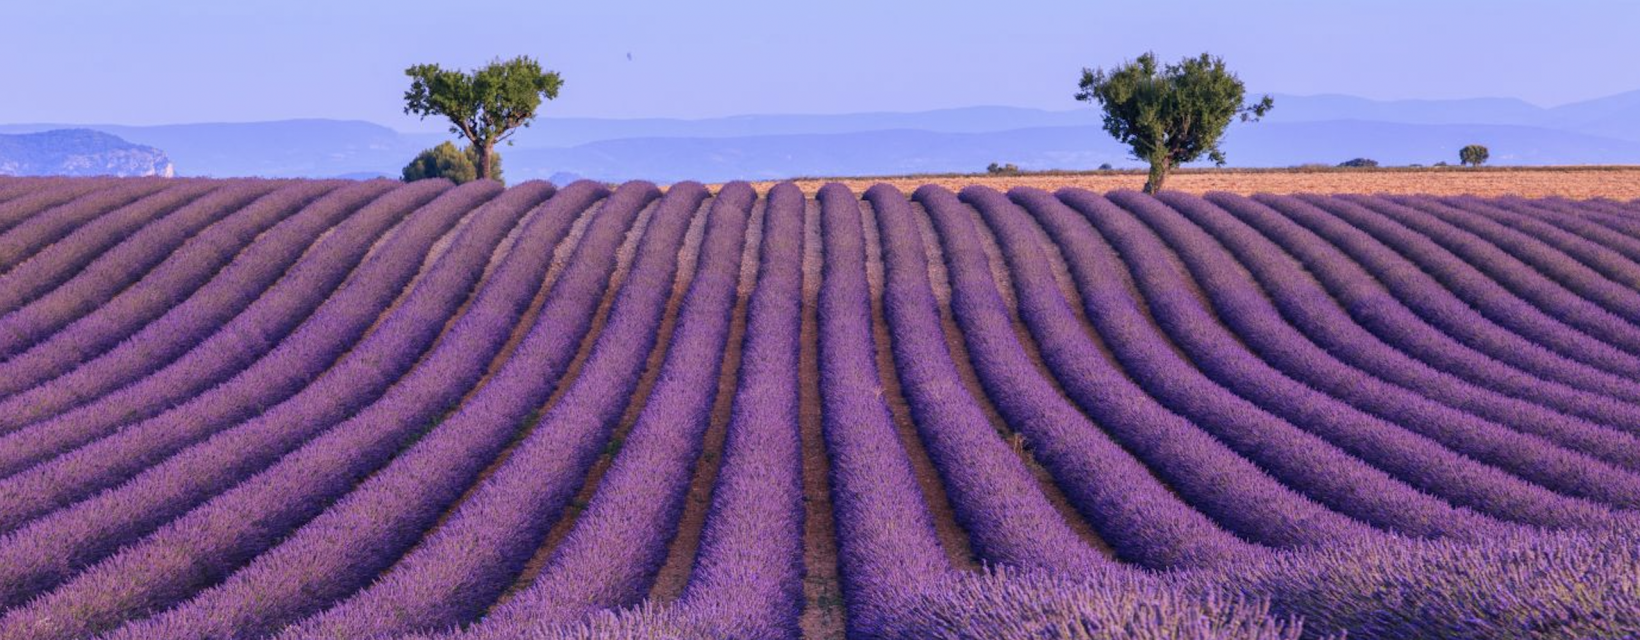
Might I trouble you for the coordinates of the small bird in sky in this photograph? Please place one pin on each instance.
(629, 56)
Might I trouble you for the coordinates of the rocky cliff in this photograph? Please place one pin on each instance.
(79, 152)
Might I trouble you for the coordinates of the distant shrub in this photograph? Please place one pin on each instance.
(1002, 169)
(1442, 164)
(447, 161)
(1106, 167)
(1474, 155)
(1359, 163)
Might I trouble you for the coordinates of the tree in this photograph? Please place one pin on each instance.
(1473, 155)
(1170, 115)
(446, 161)
(1359, 163)
(486, 106)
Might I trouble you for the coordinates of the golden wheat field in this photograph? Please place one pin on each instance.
(1619, 183)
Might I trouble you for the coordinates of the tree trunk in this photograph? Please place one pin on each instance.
(484, 153)
(1158, 173)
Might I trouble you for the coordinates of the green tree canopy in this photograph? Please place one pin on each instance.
(1170, 115)
(446, 161)
(485, 106)
(1474, 155)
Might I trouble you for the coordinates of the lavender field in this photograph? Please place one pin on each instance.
(328, 409)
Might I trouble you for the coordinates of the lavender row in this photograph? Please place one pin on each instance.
(1301, 301)
(887, 549)
(1437, 306)
(47, 552)
(224, 254)
(17, 187)
(1514, 273)
(1582, 219)
(997, 501)
(1424, 461)
(354, 540)
(1021, 605)
(219, 223)
(1566, 226)
(1274, 439)
(1613, 216)
(747, 580)
(287, 370)
(1206, 473)
(1529, 266)
(470, 560)
(308, 569)
(1463, 302)
(210, 339)
(109, 437)
(55, 261)
(154, 573)
(1514, 586)
(1260, 411)
(1137, 515)
(619, 541)
(1371, 305)
(95, 261)
(1258, 324)
(34, 197)
(33, 491)
(1307, 305)
(1575, 266)
(45, 228)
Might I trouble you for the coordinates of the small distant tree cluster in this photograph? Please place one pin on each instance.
(1002, 169)
(1106, 167)
(1170, 115)
(1473, 155)
(485, 106)
(447, 161)
(1359, 163)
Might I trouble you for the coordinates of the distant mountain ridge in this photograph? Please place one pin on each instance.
(1301, 130)
(286, 148)
(79, 152)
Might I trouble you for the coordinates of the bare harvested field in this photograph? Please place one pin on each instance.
(1620, 183)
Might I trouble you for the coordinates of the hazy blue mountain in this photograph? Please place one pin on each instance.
(901, 152)
(1616, 113)
(286, 148)
(1331, 142)
(78, 152)
(1339, 107)
(569, 132)
(1302, 129)
(779, 156)
(1613, 116)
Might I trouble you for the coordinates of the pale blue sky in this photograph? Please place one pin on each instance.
(108, 61)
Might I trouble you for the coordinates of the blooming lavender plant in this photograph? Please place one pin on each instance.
(218, 224)
(618, 542)
(201, 284)
(211, 352)
(41, 230)
(469, 561)
(304, 410)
